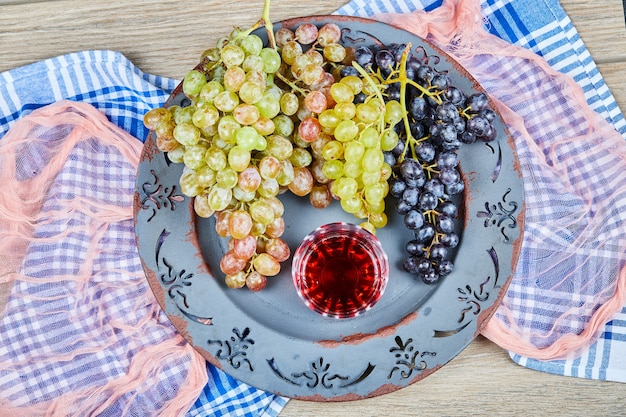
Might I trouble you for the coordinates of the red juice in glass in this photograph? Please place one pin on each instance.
(340, 270)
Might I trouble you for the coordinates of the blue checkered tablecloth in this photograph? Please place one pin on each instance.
(112, 84)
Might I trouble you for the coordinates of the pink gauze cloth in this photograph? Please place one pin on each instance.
(82, 333)
(570, 278)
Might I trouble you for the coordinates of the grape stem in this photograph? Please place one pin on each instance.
(379, 95)
(267, 21)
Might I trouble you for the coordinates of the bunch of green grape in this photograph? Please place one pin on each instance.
(264, 119)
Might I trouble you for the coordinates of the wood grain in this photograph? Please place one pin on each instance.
(165, 37)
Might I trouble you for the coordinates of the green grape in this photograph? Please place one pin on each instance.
(217, 74)
(155, 117)
(258, 230)
(227, 127)
(315, 57)
(332, 150)
(253, 63)
(269, 188)
(284, 125)
(257, 77)
(312, 74)
(385, 173)
(206, 176)
(341, 93)
(209, 91)
(186, 134)
(271, 59)
(346, 130)
(289, 103)
(334, 52)
(304, 113)
(345, 187)
(250, 92)
(378, 220)
(279, 147)
(182, 114)
(232, 55)
(352, 169)
(290, 51)
(346, 111)
(369, 178)
(209, 131)
(329, 118)
(265, 264)
(261, 212)
(273, 89)
(355, 83)
(286, 174)
(374, 193)
(268, 105)
(246, 114)
(299, 64)
(388, 140)
(236, 280)
(264, 126)
(193, 83)
(393, 112)
(226, 178)
(205, 115)
(369, 137)
(367, 113)
(260, 143)
(234, 77)
(317, 146)
(373, 160)
(354, 151)
(277, 206)
(219, 198)
(176, 155)
(212, 54)
(352, 204)
(194, 156)
(333, 169)
(300, 158)
(368, 226)
(189, 184)
(269, 167)
(226, 101)
(377, 208)
(239, 158)
(201, 206)
(243, 196)
(215, 158)
(251, 44)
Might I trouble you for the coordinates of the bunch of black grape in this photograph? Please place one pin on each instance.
(440, 119)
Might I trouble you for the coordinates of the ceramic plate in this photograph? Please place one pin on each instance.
(270, 339)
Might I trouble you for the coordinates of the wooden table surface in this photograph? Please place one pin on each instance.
(166, 37)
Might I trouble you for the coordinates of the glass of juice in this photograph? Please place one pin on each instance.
(340, 270)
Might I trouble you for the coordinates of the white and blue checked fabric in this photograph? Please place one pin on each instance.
(115, 86)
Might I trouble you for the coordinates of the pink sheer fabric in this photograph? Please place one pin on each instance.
(570, 277)
(81, 333)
